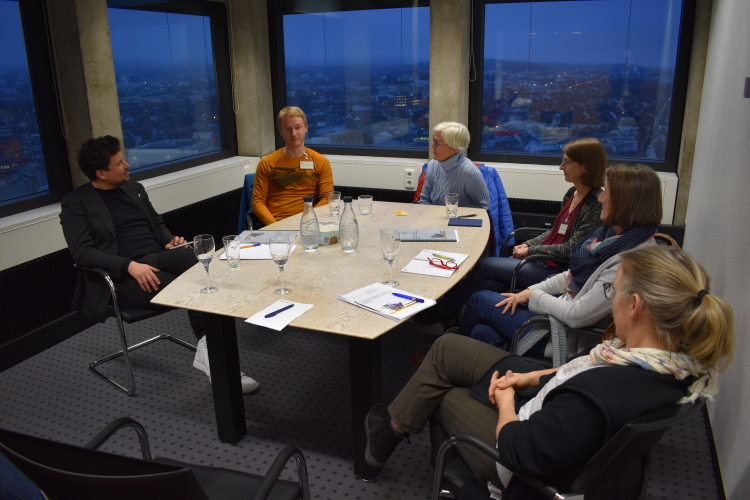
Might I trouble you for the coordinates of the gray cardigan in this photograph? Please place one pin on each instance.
(585, 222)
(589, 305)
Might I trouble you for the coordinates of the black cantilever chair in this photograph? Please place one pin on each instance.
(530, 258)
(576, 339)
(128, 315)
(619, 471)
(63, 471)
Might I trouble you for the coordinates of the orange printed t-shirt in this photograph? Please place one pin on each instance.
(280, 184)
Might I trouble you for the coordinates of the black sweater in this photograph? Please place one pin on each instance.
(578, 417)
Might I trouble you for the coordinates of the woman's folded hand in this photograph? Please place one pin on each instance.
(513, 381)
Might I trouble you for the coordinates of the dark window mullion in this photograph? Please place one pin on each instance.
(47, 110)
(223, 75)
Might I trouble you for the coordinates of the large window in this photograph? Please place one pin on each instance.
(167, 84)
(361, 76)
(556, 71)
(32, 172)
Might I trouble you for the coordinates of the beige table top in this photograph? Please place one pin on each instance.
(318, 277)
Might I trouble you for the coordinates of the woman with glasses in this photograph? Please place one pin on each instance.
(583, 165)
(671, 337)
(450, 171)
(631, 212)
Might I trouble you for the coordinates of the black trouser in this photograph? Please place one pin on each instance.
(170, 263)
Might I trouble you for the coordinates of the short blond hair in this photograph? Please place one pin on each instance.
(455, 135)
(669, 281)
(290, 111)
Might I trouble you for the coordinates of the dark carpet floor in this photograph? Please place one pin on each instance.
(303, 400)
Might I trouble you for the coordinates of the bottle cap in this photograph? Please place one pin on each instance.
(308, 199)
(347, 199)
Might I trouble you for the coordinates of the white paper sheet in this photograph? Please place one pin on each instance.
(420, 264)
(380, 299)
(282, 319)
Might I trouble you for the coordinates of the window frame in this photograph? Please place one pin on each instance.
(276, 11)
(217, 14)
(676, 114)
(34, 21)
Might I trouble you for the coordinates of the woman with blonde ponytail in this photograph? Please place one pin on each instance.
(672, 338)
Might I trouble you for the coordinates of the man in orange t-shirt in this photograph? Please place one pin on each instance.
(285, 176)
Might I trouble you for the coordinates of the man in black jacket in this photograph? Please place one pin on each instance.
(109, 223)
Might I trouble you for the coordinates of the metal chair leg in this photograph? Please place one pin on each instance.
(126, 350)
(118, 386)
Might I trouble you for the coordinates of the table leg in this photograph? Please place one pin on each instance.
(365, 377)
(223, 356)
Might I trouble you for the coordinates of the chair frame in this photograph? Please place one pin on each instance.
(539, 320)
(529, 258)
(125, 351)
(277, 467)
(658, 421)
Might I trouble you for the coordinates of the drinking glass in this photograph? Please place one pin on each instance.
(390, 241)
(280, 248)
(232, 250)
(203, 244)
(451, 205)
(365, 204)
(334, 203)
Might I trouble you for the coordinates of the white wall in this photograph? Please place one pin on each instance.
(717, 231)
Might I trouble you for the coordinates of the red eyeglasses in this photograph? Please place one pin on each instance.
(442, 264)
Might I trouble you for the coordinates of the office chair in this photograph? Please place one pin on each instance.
(63, 471)
(613, 469)
(530, 258)
(128, 315)
(575, 340)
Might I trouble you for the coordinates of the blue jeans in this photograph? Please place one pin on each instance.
(490, 273)
(483, 321)
(14, 484)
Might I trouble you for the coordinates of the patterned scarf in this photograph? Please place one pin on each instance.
(679, 365)
(601, 244)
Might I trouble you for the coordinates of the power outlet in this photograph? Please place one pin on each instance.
(410, 179)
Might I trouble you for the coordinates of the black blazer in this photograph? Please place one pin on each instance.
(90, 234)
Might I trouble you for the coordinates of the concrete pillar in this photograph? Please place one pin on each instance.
(450, 28)
(251, 65)
(86, 72)
(692, 107)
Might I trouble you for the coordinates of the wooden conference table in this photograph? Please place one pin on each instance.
(316, 278)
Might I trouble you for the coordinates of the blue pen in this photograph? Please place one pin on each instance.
(272, 314)
(407, 297)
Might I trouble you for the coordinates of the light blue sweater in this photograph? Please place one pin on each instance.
(459, 175)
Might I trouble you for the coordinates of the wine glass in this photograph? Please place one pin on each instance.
(203, 244)
(390, 241)
(280, 248)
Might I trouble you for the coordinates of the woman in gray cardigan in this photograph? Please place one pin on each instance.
(584, 162)
(631, 212)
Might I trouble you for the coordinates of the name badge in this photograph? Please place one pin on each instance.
(306, 165)
(563, 229)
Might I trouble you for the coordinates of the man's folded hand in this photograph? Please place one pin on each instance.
(144, 275)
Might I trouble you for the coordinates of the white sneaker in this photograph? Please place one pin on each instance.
(201, 362)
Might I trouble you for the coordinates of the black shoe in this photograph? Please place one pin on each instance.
(382, 438)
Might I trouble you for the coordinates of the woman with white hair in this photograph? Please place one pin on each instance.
(451, 172)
